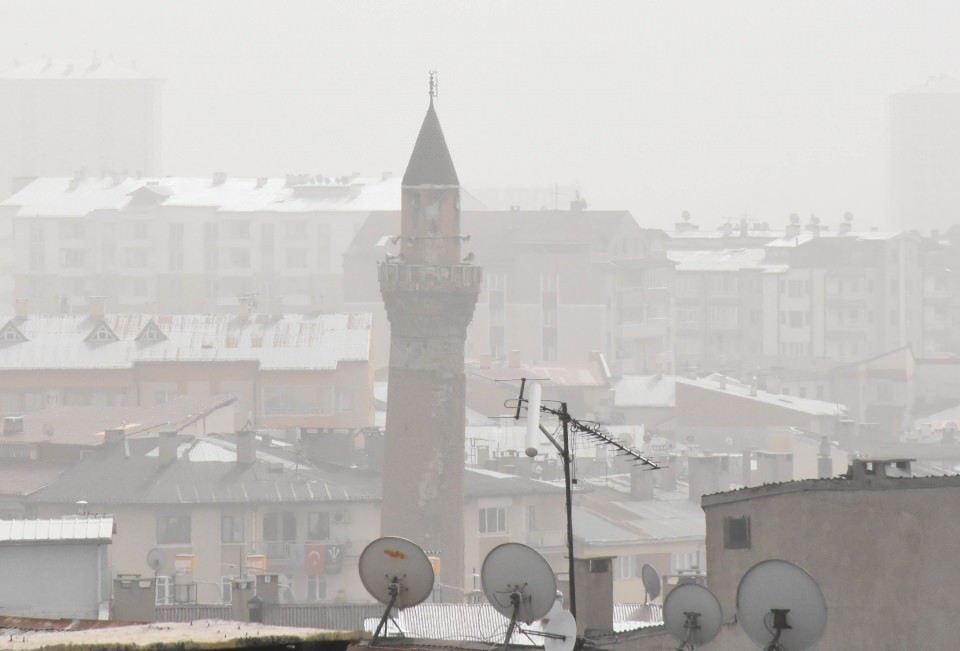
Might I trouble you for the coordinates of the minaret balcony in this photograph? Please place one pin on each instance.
(403, 277)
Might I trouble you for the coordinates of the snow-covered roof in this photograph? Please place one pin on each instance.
(645, 391)
(722, 260)
(70, 528)
(290, 341)
(92, 68)
(67, 197)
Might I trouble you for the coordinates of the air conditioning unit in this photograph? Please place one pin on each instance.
(341, 517)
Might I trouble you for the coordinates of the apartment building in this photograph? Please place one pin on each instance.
(285, 370)
(185, 245)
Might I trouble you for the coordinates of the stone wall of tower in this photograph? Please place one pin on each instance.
(429, 307)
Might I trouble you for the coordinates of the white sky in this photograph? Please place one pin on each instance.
(717, 107)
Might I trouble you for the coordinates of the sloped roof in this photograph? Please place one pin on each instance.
(68, 528)
(110, 476)
(430, 163)
(291, 341)
(721, 260)
(737, 389)
(645, 391)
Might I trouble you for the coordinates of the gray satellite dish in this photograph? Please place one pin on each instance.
(692, 615)
(651, 581)
(396, 572)
(155, 559)
(519, 584)
(560, 632)
(780, 606)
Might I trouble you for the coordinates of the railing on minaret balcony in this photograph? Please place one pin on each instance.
(426, 278)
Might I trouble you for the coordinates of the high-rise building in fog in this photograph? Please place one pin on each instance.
(64, 117)
(429, 293)
(925, 156)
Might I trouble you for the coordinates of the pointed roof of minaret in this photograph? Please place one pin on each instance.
(430, 162)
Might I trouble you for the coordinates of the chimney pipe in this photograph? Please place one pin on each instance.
(246, 452)
(169, 442)
(513, 359)
(22, 308)
(97, 305)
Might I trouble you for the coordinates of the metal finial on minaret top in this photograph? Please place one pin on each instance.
(433, 85)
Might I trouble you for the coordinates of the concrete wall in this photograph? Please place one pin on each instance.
(882, 552)
(57, 580)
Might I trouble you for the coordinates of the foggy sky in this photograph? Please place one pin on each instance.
(713, 107)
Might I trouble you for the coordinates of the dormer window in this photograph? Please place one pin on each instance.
(102, 333)
(151, 333)
(10, 333)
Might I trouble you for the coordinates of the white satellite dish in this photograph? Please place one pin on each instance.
(780, 606)
(519, 584)
(692, 615)
(396, 572)
(560, 632)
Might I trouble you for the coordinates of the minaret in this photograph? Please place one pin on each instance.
(429, 295)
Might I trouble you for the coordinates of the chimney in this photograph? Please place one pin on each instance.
(703, 476)
(594, 577)
(753, 387)
(22, 308)
(169, 442)
(219, 178)
(774, 467)
(744, 228)
(641, 482)
(246, 448)
(793, 227)
(97, 305)
(667, 475)
(513, 359)
(113, 435)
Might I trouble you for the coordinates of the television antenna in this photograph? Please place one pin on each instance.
(780, 607)
(396, 572)
(519, 584)
(535, 407)
(692, 615)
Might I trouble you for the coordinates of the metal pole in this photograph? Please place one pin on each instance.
(565, 418)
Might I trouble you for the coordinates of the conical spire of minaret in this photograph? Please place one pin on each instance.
(430, 163)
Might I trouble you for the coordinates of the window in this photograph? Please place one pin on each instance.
(173, 529)
(736, 532)
(796, 288)
(531, 517)
(279, 526)
(231, 529)
(318, 526)
(687, 315)
(226, 589)
(493, 520)
(293, 400)
(71, 258)
(657, 279)
(164, 596)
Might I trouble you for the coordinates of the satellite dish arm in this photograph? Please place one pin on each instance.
(515, 597)
(394, 594)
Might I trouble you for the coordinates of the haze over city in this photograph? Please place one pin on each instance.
(716, 108)
(574, 326)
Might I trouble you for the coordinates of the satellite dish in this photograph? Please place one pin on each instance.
(560, 632)
(780, 606)
(396, 572)
(692, 615)
(519, 584)
(651, 581)
(155, 559)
